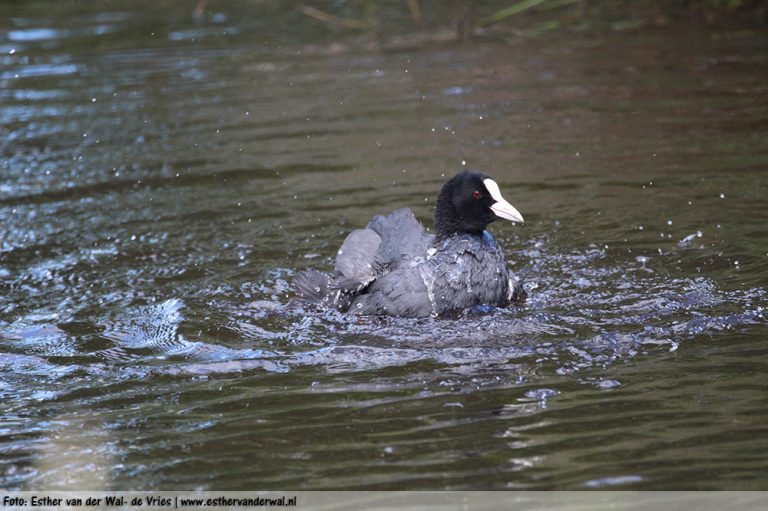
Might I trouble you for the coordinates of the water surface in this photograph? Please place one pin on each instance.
(165, 177)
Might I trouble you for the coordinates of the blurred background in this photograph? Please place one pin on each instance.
(167, 166)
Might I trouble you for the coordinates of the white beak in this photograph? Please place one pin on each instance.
(501, 207)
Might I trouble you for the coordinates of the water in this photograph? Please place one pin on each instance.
(164, 179)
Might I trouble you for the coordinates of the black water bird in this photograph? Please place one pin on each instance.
(393, 267)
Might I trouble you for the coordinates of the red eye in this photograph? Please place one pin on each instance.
(476, 194)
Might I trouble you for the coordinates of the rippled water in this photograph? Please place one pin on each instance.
(165, 177)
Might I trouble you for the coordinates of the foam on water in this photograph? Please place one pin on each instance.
(574, 326)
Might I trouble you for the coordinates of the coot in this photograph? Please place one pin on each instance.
(393, 267)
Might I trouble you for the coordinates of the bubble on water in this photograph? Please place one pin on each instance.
(583, 282)
(641, 259)
(607, 384)
(541, 394)
(688, 239)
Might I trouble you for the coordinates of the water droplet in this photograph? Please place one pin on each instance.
(541, 394)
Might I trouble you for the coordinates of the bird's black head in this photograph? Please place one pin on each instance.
(468, 202)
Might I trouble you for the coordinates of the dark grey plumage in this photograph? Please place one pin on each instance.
(458, 272)
(393, 267)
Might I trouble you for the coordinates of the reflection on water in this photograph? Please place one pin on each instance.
(164, 179)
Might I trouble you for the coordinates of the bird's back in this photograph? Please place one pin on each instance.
(386, 244)
(457, 273)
